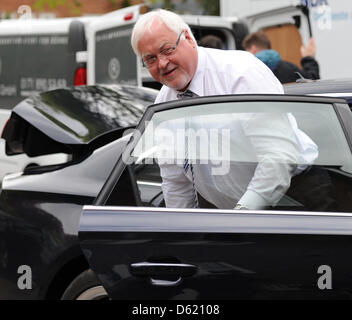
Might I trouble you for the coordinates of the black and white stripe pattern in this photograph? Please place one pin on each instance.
(187, 165)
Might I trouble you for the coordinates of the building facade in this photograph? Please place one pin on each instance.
(13, 9)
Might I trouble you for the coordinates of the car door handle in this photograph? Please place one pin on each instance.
(154, 269)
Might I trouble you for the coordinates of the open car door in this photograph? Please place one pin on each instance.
(293, 247)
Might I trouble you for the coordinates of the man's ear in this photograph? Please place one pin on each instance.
(188, 37)
(253, 49)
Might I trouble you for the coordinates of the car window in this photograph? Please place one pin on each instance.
(259, 153)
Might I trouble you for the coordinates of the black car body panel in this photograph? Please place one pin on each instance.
(341, 88)
(40, 208)
(40, 232)
(158, 253)
(252, 255)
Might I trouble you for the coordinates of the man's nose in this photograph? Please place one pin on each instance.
(162, 61)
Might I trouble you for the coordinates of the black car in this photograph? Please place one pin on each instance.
(138, 249)
(341, 88)
(285, 251)
(40, 208)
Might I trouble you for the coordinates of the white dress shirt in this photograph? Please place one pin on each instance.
(227, 72)
(281, 150)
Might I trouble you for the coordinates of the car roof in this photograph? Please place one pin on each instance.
(340, 88)
(329, 86)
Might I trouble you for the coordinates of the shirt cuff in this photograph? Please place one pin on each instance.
(253, 200)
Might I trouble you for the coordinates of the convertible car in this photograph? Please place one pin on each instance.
(290, 249)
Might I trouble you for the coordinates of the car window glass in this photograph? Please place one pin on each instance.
(266, 147)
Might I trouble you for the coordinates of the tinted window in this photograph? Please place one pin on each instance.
(270, 149)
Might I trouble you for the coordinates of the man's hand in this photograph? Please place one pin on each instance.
(310, 49)
(240, 207)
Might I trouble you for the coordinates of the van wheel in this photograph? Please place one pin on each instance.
(86, 286)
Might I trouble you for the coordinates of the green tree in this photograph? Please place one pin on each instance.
(125, 3)
(116, 3)
(211, 7)
(74, 6)
(166, 4)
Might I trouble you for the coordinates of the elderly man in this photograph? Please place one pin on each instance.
(169, 51)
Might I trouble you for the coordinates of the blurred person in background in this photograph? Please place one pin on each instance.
(258, 43)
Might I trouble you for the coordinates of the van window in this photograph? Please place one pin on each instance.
(200, 32)
(33, 63)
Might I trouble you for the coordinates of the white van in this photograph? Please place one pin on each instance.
(110, 56)
(37, 55)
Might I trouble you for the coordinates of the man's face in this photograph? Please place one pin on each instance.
(177, 69)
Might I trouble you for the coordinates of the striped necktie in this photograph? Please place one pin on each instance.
(187, 165)
(187, 94)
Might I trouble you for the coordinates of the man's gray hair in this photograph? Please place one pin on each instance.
(173, 21)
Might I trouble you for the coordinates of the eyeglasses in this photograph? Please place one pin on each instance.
(149, 61)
